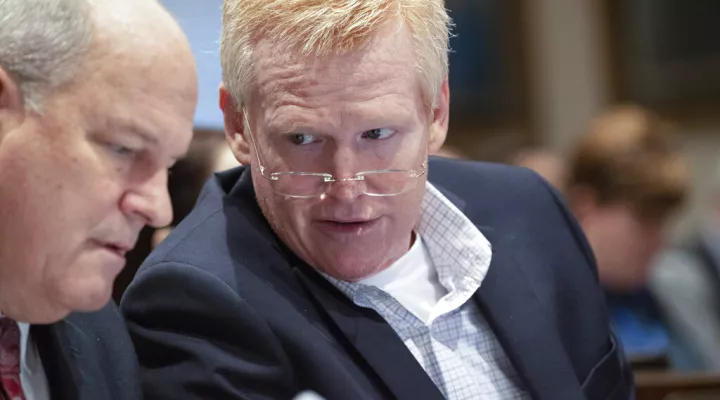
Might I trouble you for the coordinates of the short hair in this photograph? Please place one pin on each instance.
(319, 28)
(629, 155)
(43, 43)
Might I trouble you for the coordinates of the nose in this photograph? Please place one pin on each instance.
(150, 201)
(345, 188)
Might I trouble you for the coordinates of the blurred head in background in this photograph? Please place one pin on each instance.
(625, 178)
(96, 103)
(546, 163)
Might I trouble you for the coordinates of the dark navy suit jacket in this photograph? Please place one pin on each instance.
(89, 356)
(223, 310)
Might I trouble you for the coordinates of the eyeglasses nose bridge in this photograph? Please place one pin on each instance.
(354, 178)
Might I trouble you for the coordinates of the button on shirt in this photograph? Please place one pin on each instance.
(426, 297)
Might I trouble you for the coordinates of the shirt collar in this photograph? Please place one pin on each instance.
(459, 251)
(24, 328)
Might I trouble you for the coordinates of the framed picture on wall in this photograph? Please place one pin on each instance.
(665, 54)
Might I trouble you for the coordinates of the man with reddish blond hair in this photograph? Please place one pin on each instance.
(340, 258)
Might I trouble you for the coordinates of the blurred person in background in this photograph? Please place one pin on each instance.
(96, 103)
(546, 163)
(625, 179)
(686, 280)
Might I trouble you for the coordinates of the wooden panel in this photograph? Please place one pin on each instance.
(677, 386)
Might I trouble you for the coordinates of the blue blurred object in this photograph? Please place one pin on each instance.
(202, 22)
(637, 321)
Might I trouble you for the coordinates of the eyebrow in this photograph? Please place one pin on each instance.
(132, 128)
(285, 126)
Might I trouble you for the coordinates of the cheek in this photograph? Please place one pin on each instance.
(632, 247)
(272, 205)
(651, 243)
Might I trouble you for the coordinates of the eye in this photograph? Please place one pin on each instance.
(378, 134)
(302, 139)
(121, 150)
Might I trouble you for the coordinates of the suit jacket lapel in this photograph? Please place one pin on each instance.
(509, 303)
(523, 326)
(369, 336)
(60, 353)
(362, 332)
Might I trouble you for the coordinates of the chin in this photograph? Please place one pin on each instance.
(87, 296)
(354, 268)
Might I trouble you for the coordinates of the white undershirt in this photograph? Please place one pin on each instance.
(412, 280)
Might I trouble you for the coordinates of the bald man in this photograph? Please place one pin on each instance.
(96, 103)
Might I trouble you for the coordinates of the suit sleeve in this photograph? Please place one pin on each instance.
(198, 339)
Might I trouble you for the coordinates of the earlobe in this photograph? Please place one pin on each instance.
(12, 105)
(440, 119)
(234, 127)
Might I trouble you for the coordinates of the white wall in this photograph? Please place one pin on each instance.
(201, 21)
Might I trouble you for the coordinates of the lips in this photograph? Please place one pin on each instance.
(354, 226)
(119, 248)
(350, 221)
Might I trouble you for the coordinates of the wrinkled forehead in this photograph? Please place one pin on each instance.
(384, 66)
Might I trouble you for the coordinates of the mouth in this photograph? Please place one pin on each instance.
(118, 248)
(355, 226)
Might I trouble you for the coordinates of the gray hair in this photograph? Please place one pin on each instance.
(43, 43)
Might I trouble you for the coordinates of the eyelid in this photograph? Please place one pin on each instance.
(391, 132)
(314, 138)
(123, 149)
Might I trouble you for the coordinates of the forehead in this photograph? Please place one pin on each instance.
(382, 72)
(145, 94)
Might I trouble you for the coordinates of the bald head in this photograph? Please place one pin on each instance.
(139, 40)
(136, 25)
(138, 34)
(48, 44)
